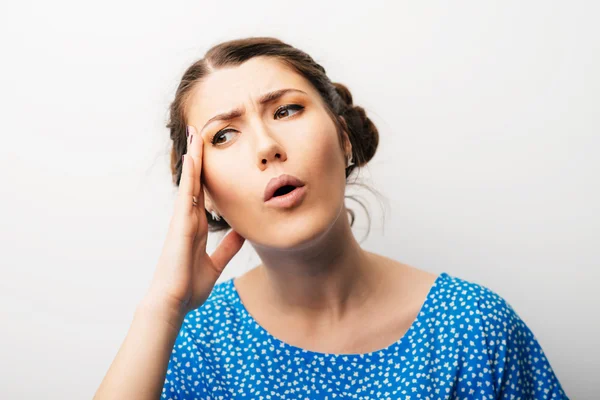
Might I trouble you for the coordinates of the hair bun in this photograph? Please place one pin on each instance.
(343, 92)
(365, 136)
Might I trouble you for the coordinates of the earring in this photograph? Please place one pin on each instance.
(215, 216)
(349, 163)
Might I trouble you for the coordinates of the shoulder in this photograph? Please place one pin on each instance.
(502, 329)
(457, 295)
(518, 365)
(193, 349)
(477, 311)
(488, 321)
(219, 305)
(218, 314)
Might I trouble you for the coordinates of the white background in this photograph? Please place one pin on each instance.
(488, 161)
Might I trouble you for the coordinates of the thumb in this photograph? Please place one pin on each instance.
(229, 246)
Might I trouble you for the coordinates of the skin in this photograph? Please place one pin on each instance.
(316, 287)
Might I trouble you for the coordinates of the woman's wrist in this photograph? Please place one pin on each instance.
(160, 310)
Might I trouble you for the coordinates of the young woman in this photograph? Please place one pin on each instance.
(269, 143)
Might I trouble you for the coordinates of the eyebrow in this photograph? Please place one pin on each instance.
(264, 99)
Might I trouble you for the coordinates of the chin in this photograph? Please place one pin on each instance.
(297, 230)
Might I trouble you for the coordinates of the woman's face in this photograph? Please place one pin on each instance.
(241, 155)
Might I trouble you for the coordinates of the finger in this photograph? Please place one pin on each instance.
(229, 246)
(183, 207)
(196, 147)
(186, 186)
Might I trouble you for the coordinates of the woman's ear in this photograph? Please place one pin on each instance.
(346, 139)
(208, 202)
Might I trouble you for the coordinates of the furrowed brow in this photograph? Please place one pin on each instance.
(238, 112)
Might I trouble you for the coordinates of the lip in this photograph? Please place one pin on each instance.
(288, 200)
(280, 181)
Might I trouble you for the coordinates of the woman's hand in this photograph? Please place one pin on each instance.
(186, 274)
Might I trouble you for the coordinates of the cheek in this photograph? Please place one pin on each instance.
(321, 148)
(228, 183)
(216, 177)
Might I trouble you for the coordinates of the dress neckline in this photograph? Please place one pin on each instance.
(395, 347)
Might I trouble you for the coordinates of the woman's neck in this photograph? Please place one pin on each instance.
(324, 280)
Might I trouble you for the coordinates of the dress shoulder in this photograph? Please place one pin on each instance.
(516, 362)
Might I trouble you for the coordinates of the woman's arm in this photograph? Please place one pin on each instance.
(139, 368)
(183, 280)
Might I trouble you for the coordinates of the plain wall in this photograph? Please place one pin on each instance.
(488, 160)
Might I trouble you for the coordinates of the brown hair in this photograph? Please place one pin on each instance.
(363, 134)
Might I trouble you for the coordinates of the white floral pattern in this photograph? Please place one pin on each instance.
(467, 342)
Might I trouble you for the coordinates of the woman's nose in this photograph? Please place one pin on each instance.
(269, 149)
(265, 161)
(267, 155)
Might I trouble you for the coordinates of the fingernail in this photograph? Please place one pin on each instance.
(187, 131)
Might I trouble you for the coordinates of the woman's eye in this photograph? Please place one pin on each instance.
(216, 139)
(287, 108)
(219, 135)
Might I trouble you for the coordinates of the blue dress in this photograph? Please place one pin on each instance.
(466, 343)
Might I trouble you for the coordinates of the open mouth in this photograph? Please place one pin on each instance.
(283, 190)
(281, 186)
(287, 196)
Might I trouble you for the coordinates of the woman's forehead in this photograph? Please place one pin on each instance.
(232, 87)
